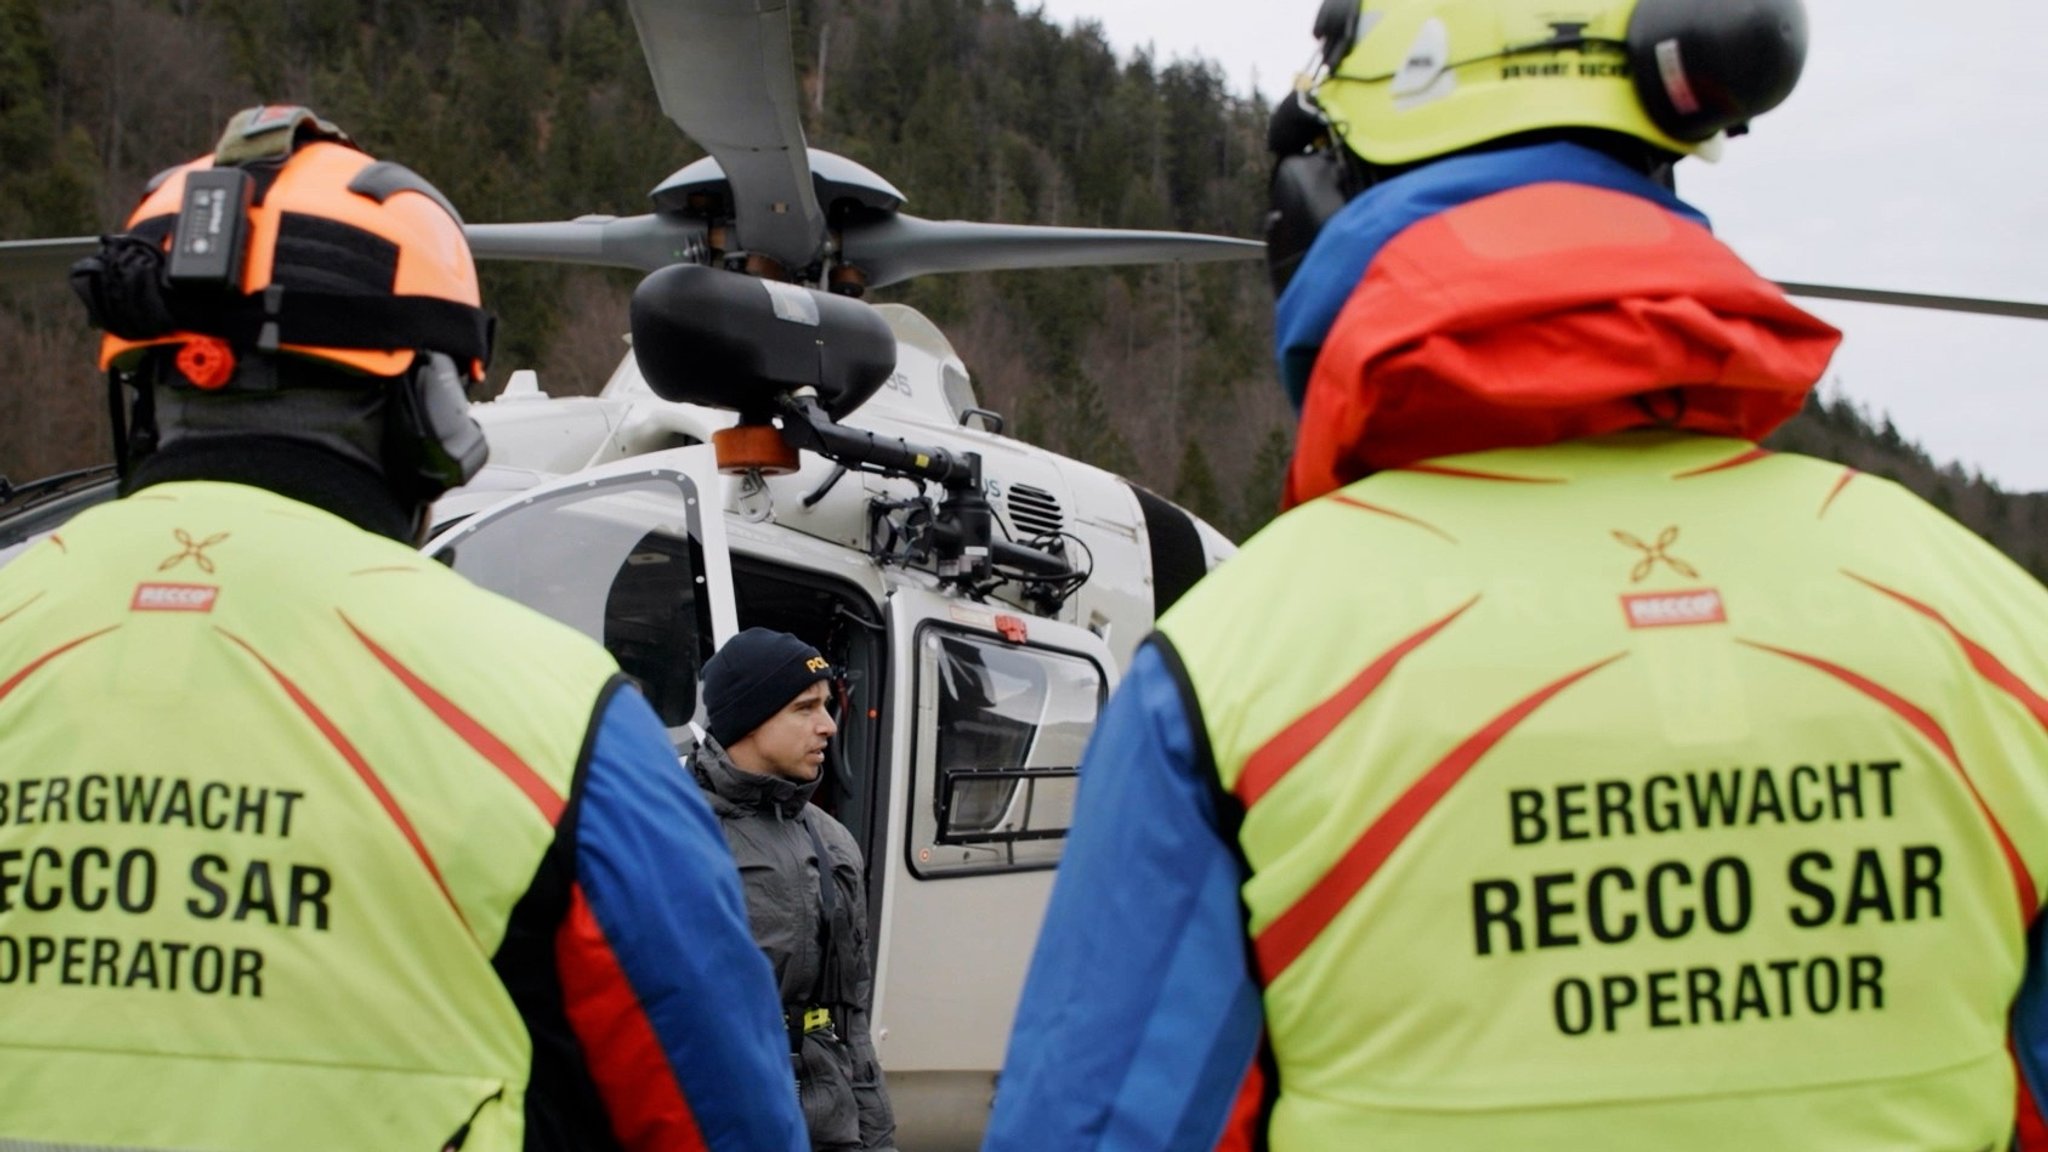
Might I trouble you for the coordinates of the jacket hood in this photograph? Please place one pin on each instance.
(735, 792)
(1543, 311)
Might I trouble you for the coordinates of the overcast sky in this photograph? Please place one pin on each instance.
(1913, 156)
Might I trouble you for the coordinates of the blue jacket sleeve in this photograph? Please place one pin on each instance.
(1141, 1020)
(2030, 1043)
(673, 1003)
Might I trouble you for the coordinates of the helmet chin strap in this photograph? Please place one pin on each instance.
(133, 422)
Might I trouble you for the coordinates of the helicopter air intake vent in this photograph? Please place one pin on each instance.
(1034, 511)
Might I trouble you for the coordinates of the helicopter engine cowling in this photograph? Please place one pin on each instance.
(705, 336)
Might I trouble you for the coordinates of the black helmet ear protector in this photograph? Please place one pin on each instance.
(431, 442)
(1313, 177)
(1706, 68)
(135, 290)
(1698, 69)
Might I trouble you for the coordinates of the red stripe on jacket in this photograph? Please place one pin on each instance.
(10, 613)
(1290, 934)
(1277, 756)
(14, 681)
(346, 749)
(629, 1065)
(1848, 474)
(1353, 502)
(1476, 474)
(481, 739)
(1981, 659)
(1245, 1129)
(1931, 729)
(2033, 1130)
(1735, 461)
(2030, 1127)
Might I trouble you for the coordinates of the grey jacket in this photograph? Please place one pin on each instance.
(845, 1103)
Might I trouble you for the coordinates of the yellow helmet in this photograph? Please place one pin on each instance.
(1408, 80)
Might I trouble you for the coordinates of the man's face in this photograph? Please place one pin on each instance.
(791, 743)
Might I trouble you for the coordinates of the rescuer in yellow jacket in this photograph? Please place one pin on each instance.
(306, 842)
(1562, 771)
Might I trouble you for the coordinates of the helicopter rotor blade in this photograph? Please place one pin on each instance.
(642, 242)
(43, 261)
(726, 75)
(2016, 308)
(898, 247)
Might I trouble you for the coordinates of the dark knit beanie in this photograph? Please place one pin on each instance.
(753, 677)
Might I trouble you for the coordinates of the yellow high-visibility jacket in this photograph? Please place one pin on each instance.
(274, 796)
(1649, 791)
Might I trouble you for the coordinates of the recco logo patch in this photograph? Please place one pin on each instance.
(1670, 609)
(174, 598)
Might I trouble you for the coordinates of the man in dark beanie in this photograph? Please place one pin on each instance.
(767, 702)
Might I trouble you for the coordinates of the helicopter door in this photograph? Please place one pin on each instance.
(631, 555)
(990, 711)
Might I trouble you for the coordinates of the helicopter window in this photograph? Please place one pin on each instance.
(618, 561)
(1000, 729)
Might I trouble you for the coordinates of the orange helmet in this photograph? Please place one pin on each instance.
(336, 256)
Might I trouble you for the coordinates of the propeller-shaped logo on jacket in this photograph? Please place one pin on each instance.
(193, 550)
(1655, 554)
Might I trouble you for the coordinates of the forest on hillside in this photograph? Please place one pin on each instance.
(543, 109)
